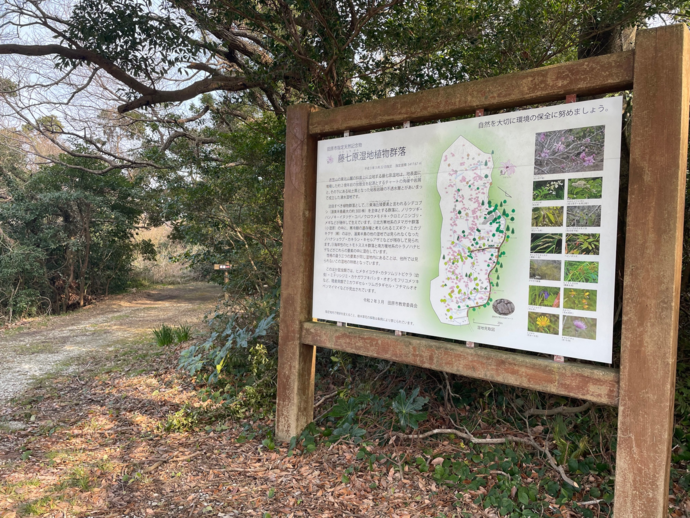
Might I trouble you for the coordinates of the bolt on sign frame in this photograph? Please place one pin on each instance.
(658, 72)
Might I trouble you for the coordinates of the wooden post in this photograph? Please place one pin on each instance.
(226, 281)
(660, 71)
(295, 404)
(653, 255)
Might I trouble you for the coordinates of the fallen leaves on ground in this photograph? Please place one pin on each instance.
(92, 446)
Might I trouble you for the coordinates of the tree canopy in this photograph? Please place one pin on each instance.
(193, 95)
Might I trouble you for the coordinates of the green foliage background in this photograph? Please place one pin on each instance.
(67, 234)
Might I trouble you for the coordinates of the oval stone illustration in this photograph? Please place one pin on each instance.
(503, 307)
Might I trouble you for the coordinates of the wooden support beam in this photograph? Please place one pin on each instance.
(296, 361)
(583, 381)
(653, 259)
(660, 66)
(604, 74)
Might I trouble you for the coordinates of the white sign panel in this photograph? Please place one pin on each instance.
(499, 230)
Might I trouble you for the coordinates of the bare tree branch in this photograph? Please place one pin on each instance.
(182, 134)
(211, 84)
(193, 118)
(79, 55)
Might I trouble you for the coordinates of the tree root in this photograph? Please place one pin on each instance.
(502, 440)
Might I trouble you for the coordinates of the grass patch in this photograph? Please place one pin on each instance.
(78, 478)
(164, 335)
(546, 243)
(168, 335)
(39, 507)
(182, 333)
(37, 348)
(10, 488)
(13, 331)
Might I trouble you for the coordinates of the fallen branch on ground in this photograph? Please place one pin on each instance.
(325, 398)
(502, 440)
(565, 410)
(161, 461)
(590, 502)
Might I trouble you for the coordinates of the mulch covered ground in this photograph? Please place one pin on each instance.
(92, 446)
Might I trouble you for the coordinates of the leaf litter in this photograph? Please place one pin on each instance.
(93, 445)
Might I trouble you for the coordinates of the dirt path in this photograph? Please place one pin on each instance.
(45, 345)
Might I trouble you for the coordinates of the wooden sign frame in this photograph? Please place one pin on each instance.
(657, 71)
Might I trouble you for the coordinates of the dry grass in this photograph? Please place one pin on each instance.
(162, 270)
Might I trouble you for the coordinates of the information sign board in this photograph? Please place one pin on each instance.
(498, 230)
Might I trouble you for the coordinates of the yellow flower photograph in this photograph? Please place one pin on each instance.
(543, 323)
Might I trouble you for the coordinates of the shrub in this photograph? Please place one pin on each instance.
(240, 369)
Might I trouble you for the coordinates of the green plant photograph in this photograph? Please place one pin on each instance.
(547, 217)
(585, 188)
(545, 296)
(580, 327)
(584, 216)
(547, 190)
(584, 300)
(581, 271)
(542, 323)
(545, 269)
(546, 244)
(582, 244)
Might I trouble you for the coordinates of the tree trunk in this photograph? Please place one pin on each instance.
(14, 292)
(603, 42)
(86, 225)
(70, 261)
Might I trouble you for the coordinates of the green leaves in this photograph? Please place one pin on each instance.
(350, 430)
(347, 410)
(62, 222)
(235, 363)
(137, 37)
(227, 205)
(422, 464)
(218, 353)
(523, 495)
(408, 409)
